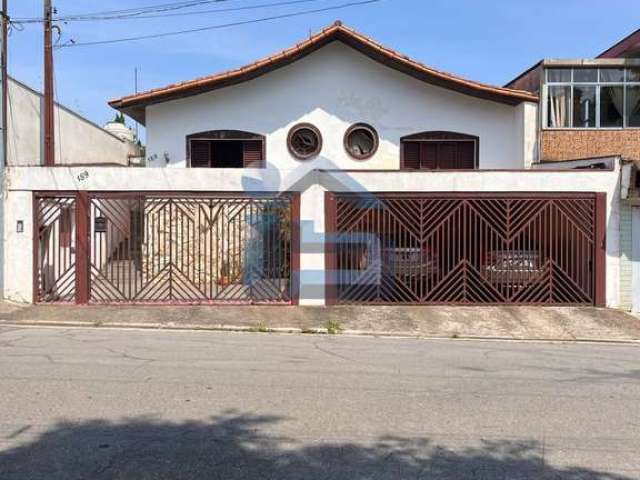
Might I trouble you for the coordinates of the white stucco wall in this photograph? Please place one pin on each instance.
(333, 88)
(635, 275)
(77, 140)
(23, 181)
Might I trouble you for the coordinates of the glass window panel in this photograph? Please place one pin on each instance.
(584, 106)
(559, 75)
(558, 106)
(585, 75)
(611, 74)
(611, 106)
(633, 75)
(633, 106)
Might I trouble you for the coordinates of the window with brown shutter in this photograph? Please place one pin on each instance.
(226, 149)
(439, 151)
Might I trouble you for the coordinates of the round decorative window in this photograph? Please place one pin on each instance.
(304, 141)
(361, 141)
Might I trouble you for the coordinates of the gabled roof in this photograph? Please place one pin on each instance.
(134, 105)
(629, 45)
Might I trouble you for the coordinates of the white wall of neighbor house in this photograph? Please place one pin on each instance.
(626, 256)
(24, 180)
(635, 249)
(334, 88)
(77, 140)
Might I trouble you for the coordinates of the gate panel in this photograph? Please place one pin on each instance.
(195, 249)
(55, 248)
(465, 249)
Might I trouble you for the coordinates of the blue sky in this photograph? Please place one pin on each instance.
(489, 41)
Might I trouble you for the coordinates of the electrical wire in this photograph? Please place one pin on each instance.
(215, 27)
(197, 12)
(129, 11)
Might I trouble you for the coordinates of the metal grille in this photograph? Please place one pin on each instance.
(190, 249)
(55, 248)
(464, 249)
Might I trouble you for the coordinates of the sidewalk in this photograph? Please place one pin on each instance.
(517, 323)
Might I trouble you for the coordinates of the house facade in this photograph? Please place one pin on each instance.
(78, 140)
(335, 172)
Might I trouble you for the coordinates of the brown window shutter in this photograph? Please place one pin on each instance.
(200, 153)
(411, 155)
(466, 155)
(429, 154)
(252, 152)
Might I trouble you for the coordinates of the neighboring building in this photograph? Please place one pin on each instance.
(78, 141)
(591, 108)
(335, 172)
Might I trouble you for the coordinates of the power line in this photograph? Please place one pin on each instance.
(197, 12)
(219, 26)
(128, 11)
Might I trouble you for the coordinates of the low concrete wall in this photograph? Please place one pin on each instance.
(22, 181)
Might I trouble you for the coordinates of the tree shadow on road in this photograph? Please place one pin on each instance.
(237, 446)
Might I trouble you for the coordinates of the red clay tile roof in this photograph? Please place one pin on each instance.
(134, 105)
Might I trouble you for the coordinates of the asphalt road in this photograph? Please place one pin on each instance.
(117, 404)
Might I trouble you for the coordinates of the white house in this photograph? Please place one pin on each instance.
(335, 172)
(78, 140)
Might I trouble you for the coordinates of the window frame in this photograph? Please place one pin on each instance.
(227, 135)
(597, 84)
(368, 128)
(440, 136)
(304, 126)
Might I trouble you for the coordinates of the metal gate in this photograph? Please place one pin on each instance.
(175, 248)
(55, 248)
(466, 249)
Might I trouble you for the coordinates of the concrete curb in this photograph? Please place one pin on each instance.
(313, 331)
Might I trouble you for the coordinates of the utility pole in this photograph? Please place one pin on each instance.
(135, 86)
(49, 146)
(4, 19)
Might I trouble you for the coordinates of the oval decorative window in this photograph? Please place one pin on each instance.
(304, 141)
(361, 141)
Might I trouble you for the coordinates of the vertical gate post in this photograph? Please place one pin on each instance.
(600, 254)
(82, 248)
(330, 262)
(295, 248)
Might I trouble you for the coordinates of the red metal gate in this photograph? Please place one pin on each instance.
(172, 248)
(465, 248)
(55, 248)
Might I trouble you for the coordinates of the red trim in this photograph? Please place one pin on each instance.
(134, 105)
(36, 247)
(82, 248)
(330, 261)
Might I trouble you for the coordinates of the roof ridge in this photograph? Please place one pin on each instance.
(343, 33)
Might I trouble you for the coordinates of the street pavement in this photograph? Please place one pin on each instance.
(151, 404)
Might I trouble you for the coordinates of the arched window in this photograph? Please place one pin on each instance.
(438, 150)
(226, 149)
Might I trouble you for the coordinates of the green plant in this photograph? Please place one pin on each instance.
(261, 326)
(333, 326)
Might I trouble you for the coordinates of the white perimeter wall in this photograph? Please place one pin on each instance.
(333, 88)
(23, 181)
(77, 140)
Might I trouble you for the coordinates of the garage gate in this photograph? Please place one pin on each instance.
(466, 249)
(165, 248)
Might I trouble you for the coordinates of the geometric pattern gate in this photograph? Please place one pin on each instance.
(465, 249)
(167, 248)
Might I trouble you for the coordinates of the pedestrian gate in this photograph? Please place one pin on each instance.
(465, 248)
(149, 248)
